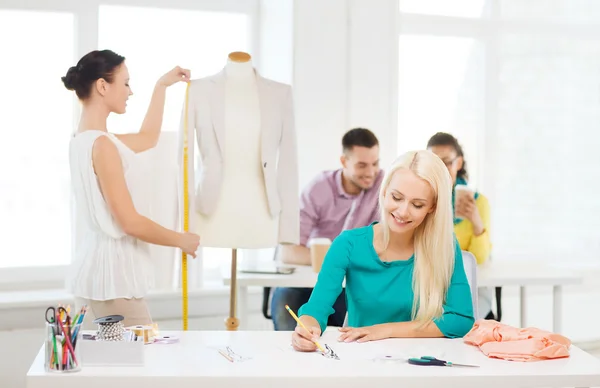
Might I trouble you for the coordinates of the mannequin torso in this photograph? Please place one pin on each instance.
(241, 218)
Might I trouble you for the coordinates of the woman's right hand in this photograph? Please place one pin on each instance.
(177, 74)
(304, 340)
(189, 243)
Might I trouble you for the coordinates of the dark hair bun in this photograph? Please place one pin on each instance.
(70, 80)
(91, 67)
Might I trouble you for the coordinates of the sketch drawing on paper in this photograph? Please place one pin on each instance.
(232, 356)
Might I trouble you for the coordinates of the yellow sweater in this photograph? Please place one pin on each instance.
(480, 246)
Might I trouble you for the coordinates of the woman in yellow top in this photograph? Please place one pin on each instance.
(471, 215)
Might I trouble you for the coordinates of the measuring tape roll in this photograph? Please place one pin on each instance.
(186, 211)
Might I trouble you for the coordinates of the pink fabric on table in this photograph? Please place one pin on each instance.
(498, 340)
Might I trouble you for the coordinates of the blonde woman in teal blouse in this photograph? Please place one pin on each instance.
(404, 275)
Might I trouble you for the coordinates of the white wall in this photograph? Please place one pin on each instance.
(372, 71)
(344, 76)
(320, 82)
(276, 40)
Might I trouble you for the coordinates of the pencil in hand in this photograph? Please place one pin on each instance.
(321, 348)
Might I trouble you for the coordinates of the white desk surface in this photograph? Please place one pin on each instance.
(514, 273)
(491, 274)
(195, 362)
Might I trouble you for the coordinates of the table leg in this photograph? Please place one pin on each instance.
(557, 309)
(523, 307)
(242, 307)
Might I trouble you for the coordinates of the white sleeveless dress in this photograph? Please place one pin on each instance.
(106, 264)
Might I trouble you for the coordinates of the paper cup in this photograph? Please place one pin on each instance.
(459, 192)
(318, 249)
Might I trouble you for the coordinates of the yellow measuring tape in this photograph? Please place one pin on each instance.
(186, 211)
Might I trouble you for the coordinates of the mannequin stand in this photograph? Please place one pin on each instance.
(232, 323)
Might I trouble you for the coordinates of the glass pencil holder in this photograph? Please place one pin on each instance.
(61, 347)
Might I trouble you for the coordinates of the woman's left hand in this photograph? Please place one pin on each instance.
(363, 334)
(175, 75)
(467, 208)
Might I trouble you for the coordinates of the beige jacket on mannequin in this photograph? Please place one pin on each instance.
(279, 155)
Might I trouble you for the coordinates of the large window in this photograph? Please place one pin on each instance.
(36, 123)
(518, 85)
(544, 157)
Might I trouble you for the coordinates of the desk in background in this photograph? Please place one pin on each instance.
(195, 362)
(491, 274)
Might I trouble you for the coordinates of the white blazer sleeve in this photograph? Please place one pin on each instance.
(287, 177)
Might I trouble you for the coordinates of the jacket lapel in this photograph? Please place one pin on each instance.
(217, 108)
(265, 118)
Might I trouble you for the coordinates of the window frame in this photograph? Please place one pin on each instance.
(86, 18)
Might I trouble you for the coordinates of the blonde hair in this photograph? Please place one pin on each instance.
(433, 239)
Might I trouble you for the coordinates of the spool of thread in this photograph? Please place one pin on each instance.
(155, 331)
(166, 339)
(144, 332)
(110, 328)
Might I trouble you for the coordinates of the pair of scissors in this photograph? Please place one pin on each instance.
(432, 361)
(54, 313)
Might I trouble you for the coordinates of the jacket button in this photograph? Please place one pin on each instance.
(265, 164)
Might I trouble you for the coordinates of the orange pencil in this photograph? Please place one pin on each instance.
(226, 355)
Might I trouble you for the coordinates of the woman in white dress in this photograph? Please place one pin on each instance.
(111, 271)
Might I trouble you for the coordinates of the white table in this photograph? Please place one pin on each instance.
(491, 274)
(522, 274)
(195, 362)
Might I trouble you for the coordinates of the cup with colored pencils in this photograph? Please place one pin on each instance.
(63, 333)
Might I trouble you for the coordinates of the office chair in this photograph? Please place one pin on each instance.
(265, 303)
(267, 292)
(498, 304)
(470, 265)
(498, 292)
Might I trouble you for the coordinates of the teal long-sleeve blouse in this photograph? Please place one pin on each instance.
(381, 292)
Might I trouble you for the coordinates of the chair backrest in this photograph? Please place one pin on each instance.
(470, 265)
(498, 315)
(267, 290)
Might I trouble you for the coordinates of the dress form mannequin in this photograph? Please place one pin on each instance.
(241, 218)
(244, 192)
